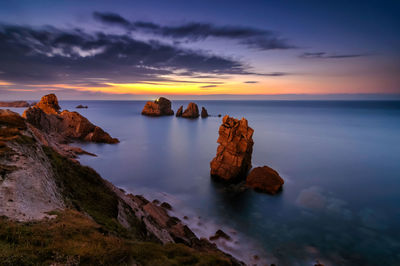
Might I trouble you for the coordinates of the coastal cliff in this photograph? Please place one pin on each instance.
(56, 211)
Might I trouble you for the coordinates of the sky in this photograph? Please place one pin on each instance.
(127, 50)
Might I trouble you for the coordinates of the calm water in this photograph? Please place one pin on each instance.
(340, 161)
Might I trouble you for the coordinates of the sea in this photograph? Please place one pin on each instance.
(340, 204)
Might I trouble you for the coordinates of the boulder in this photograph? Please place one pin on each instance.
(233, 159)
(204, 112)
(264, 179)
(49, 104)
(160, 107)
(67, 125)
(179, 112)
(192, 111)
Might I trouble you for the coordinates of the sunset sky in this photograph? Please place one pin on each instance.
(204, 49)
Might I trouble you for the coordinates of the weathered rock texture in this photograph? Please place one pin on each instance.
(179, 112)
(49, 104)
(68, 125)
(204, 112)
(192, 111)
(233, 159)
(160, 107)
(265, 179)
(14, 104)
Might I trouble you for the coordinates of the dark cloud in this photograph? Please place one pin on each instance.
(250, 82)
(208, 86)
(47, 54)
(194, 31)
(324, 55)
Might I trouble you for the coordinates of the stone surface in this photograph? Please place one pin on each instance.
(67, 125)
(233, 159)
(179, 112)
(192, 111)
(264, 179)
(160, 107)
(204, 112)
(49, 104)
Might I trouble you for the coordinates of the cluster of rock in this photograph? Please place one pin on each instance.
(233, 159)
(47, 117)
(162, 107)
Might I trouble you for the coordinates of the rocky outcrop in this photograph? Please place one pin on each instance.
(192, 111)
(81, 106)
(49, 104)
(15, 104)
(67, 125)
(204, 112)
(264, 179)
(179, 112)
(233, 159)
(160, 107)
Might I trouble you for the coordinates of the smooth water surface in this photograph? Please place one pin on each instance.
(340, 162)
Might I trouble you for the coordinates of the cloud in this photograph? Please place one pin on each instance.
(194, 31)
(208, 86)
(324, 55)
(250, 82)
(47, 54)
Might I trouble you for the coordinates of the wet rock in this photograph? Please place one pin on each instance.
(192, 111)
(166, 206)
(233, 159)
(219, 115)
(160, 107)
(264, 179)
(81, 106)
(49, 104)
(179, 112)
(220, 234)
(204, 112)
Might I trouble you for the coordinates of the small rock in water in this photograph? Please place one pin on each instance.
(220, 234)
(204, 112)
(81, 106)
(265, 179)
(179, 112)
(185, 217)
(166, 205)
(192, 111)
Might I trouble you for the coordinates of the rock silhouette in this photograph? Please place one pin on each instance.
(233, 159)
(160, 107)
(179, 112)
(204, 112)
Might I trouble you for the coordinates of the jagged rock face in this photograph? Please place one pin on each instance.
(204, 112)
(265, 179)
(67, 125)
(161, 106)
(179, 112)
(49, 104)
(192, 111)
(233, 159)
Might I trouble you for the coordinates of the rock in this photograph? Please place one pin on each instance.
(166, 206)
(49, 104)
(16, 104)
(160, 107)
(67, 125)
(264, 179)
(179, 112)
(81, 106)
(204, 112)
(219, 115)
(220, 234)
(233, 159)
(192, 111)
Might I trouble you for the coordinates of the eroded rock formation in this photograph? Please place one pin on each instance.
(264, 179)
(204, 112)
(179, 112)
(160, 107)
(192, 111)
(233, 159)
(68, 125)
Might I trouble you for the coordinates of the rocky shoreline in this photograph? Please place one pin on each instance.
(42, 185)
